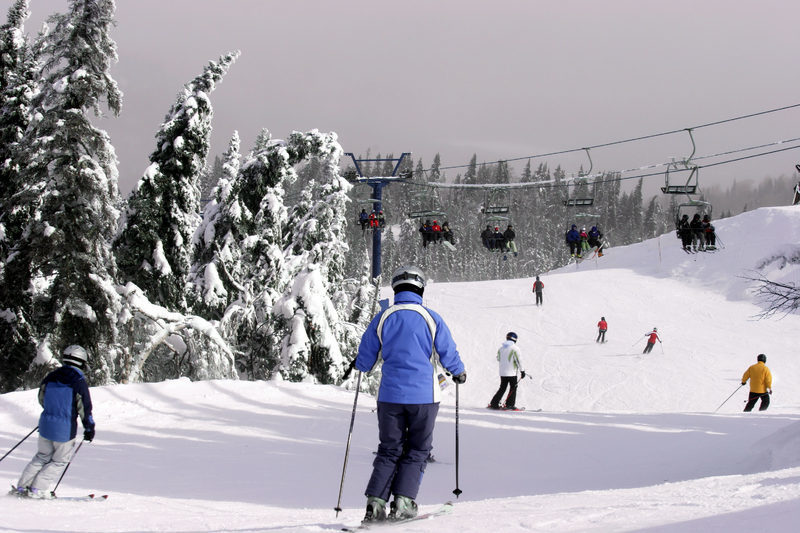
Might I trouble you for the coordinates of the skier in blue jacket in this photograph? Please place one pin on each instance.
(412, 341)
(64, 396)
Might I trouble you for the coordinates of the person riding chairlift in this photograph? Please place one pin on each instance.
(508, 237)
(437, 231)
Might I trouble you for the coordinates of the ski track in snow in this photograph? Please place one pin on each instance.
(625, 442)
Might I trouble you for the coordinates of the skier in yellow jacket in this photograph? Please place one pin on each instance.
(760, 384)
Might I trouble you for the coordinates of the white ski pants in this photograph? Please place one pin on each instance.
(47, 465)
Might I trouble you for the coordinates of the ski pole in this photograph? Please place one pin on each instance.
(661, 344)
(457, 491)
(67, 467)
(20, 442)
(338, 507)
(729, 397)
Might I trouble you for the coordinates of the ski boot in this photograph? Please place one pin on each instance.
(376, 510)
(39, 494)
(403, 508)
(20, 492)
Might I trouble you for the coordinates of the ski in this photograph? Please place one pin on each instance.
(517, 409)
(86, 498)
(446, 508)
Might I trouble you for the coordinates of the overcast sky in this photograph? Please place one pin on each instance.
(501, 79)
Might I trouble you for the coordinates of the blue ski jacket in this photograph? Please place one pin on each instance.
(573, 236)
(64, 395)
(409, 373)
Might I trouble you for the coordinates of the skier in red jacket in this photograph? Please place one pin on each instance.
(602, 327)
(652, 340)
(538, 287)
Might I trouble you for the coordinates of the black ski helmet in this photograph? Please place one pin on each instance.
(511, 336)
(761, 357)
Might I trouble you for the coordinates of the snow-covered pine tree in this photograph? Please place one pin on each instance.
(18, 72)
(153, 249)
(311, 309)
(208, 180)
(63, 258)
(471, 174)
(215, 278)
(17, 85)
(264, 175)
(162, 344)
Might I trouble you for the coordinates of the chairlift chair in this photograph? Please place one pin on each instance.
(426, 203)
(496, 206)
(691, 185)
(691, 208)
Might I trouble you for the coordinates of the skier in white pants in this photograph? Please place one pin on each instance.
(64, 395)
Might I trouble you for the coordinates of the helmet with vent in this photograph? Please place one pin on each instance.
(408, 278)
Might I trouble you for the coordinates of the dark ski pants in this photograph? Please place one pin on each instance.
(751, 401)
(649, 347)
(509, 382)
(601, 336)
(538, 297)
(406, 439)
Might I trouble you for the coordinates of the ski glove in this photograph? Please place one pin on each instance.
(744, 383)
(88, 435)
(349, 369)
(461, 378)
(522, 375)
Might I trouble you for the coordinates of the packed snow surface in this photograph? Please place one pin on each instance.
(624, 441)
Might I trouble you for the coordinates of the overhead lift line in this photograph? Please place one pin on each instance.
(632, 139)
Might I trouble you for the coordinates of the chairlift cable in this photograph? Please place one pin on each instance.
(631, 139)
(566, 182)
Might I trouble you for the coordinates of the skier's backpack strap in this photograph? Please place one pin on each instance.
(434, 357)
(428, 319)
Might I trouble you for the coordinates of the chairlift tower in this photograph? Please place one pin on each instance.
(377, 183)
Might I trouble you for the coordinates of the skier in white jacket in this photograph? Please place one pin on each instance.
(509, 358)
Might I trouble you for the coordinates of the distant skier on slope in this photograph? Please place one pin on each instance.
(652, 340)
(760, 384)
(538, 287)
(602, 327)
(508, 357)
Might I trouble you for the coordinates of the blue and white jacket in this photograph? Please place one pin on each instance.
(64, 395)
(402, 336)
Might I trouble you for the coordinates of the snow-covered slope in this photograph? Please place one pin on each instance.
(625, 441)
